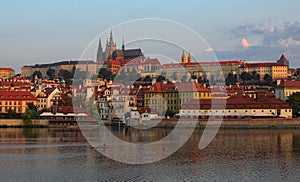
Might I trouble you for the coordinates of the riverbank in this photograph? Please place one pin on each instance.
(228, 123)
(19, 123)
(238, 123)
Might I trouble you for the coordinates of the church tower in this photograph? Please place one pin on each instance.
(283, 60)
(123, 44)
(110, 46)
(100, 53)
(190, 58)
(183, 57)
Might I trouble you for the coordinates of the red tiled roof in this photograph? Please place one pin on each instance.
(290, 83)
(191, 86)
(7, 69)
(283, 58)
(203, 63)
(112, 62)
(237, 102)
(263, 64)
(16, 95)
(160, 87)
(15, 83)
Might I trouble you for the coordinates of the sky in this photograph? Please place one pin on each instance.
(44, 31)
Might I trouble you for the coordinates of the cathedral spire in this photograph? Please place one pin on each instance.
(111, 40)
(123, 44)
(100, 51)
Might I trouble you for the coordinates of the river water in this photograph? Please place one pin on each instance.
(49, 154)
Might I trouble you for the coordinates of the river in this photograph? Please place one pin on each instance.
(48, 154)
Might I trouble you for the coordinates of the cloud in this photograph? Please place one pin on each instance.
(271, 36)
(245, 43)
(209, 49)
(270, 42)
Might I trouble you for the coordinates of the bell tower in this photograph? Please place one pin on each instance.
(190, 58)
(183, 57)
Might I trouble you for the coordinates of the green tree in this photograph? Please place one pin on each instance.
(11, 114)
(169, 113)
(294, 102)
(268, 79)
(105, 74)
(30, 113)
(65, 74)
(36, 73)
(245, 76)
(51, 73)
(231, 79)
(255, 76)
(147, 79)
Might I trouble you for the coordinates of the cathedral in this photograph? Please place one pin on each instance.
(112, 54)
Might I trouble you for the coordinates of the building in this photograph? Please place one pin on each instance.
(84, 65)
(283, 60)
(15, 100)
(141, 65)
(238, 106)
(286, 88)
(112, 66)
(205, 70)
(164, 96)
(275, 70)
(6, 73)
(48, 97)
(126, 59)
(16, 83)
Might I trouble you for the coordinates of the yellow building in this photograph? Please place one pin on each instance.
(275, 70)
(6, 72)
(239, 106)
(287, 88)
(15, 100)
(164, 96)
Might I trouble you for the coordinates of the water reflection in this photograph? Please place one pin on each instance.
(234, 155)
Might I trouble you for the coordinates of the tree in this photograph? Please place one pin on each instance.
(31, 106)
(268, 79)
(294, 102)
(11, 114)
(231, 79)
(161, 78)
(51, 73)
(30, 113)
(169, 113)
(147, 79)
(36, 73)
(255, 76)
(245, 76)
(65, 74)
(105, 74)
